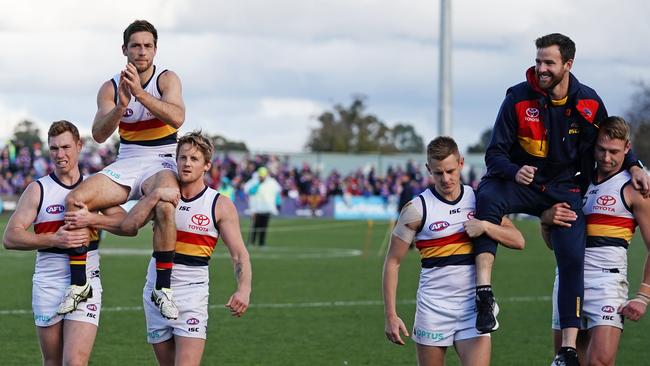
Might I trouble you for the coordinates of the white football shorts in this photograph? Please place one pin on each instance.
(131, 169)
(49, 284)
(441, 327)
(604, 293)
(192, 322)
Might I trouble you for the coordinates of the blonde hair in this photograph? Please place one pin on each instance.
(199, 141)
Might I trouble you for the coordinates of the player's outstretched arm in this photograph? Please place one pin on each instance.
(170, 108)
(110, 219)
(394, 327)
(635, 308)
(109, 113)
(142, 212)
(506, 233)
(18, 236)
(403, 234)
(229, 230)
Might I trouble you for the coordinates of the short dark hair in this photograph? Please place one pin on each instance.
(140, 26)
(567, 47)
(441, 147)
(63, 126)
(615, 127)
(198, 140)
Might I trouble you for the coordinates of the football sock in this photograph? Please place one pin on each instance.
(163, 268)
(78, 268)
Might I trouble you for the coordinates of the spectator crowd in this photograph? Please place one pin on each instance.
(20, 165)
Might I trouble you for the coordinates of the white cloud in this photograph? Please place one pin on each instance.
(257, 70)
(288, 108)
(9, 118)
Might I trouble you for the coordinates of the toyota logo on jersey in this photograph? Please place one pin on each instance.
(200, 219)
(532, 112)
(55, 209)
(606, 200)
(438, 226)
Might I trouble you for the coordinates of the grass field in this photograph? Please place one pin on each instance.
(316, 301)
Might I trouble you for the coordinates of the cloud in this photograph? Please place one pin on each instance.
(255, 71)
(10, 118)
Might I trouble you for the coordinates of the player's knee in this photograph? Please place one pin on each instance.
(76, 359)
(129, 228)
(600, 359)
(51, 360)
(71, 198)
(164, 212)
(490, 207)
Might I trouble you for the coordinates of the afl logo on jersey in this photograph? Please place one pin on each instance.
(192, 321)
(438, 226)
(128, 112)
(55, 209)
(606, 200)
(91, 307)
(470, 215)
(200, 219)
(607, 309)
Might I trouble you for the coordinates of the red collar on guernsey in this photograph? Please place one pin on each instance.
(531, 78)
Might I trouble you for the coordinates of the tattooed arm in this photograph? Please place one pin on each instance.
(228, 225)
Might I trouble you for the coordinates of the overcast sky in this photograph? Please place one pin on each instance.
(260, 71)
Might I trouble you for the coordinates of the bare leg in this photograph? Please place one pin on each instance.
(51, 341)
(165, 352)
(569, 336)
(582, 346)
(164, 232)
(474, 351)
(603, 345)
(487, 308)
(484, 263)
(96, 192)
(189, 351)
(430, 355)
(78, 341)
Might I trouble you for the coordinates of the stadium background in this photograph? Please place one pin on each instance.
(316, 294)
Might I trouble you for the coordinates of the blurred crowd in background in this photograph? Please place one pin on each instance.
(20, 165)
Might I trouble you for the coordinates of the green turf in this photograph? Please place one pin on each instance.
(307, 310)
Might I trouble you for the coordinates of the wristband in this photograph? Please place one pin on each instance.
(640, 295)
(641, 299)
(644, 289)
(636, 299)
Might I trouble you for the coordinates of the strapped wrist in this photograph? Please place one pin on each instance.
(642, 297)
(644, 289)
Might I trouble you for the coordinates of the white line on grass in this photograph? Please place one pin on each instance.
(319, 304)
(271, 252)
(303, 227)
